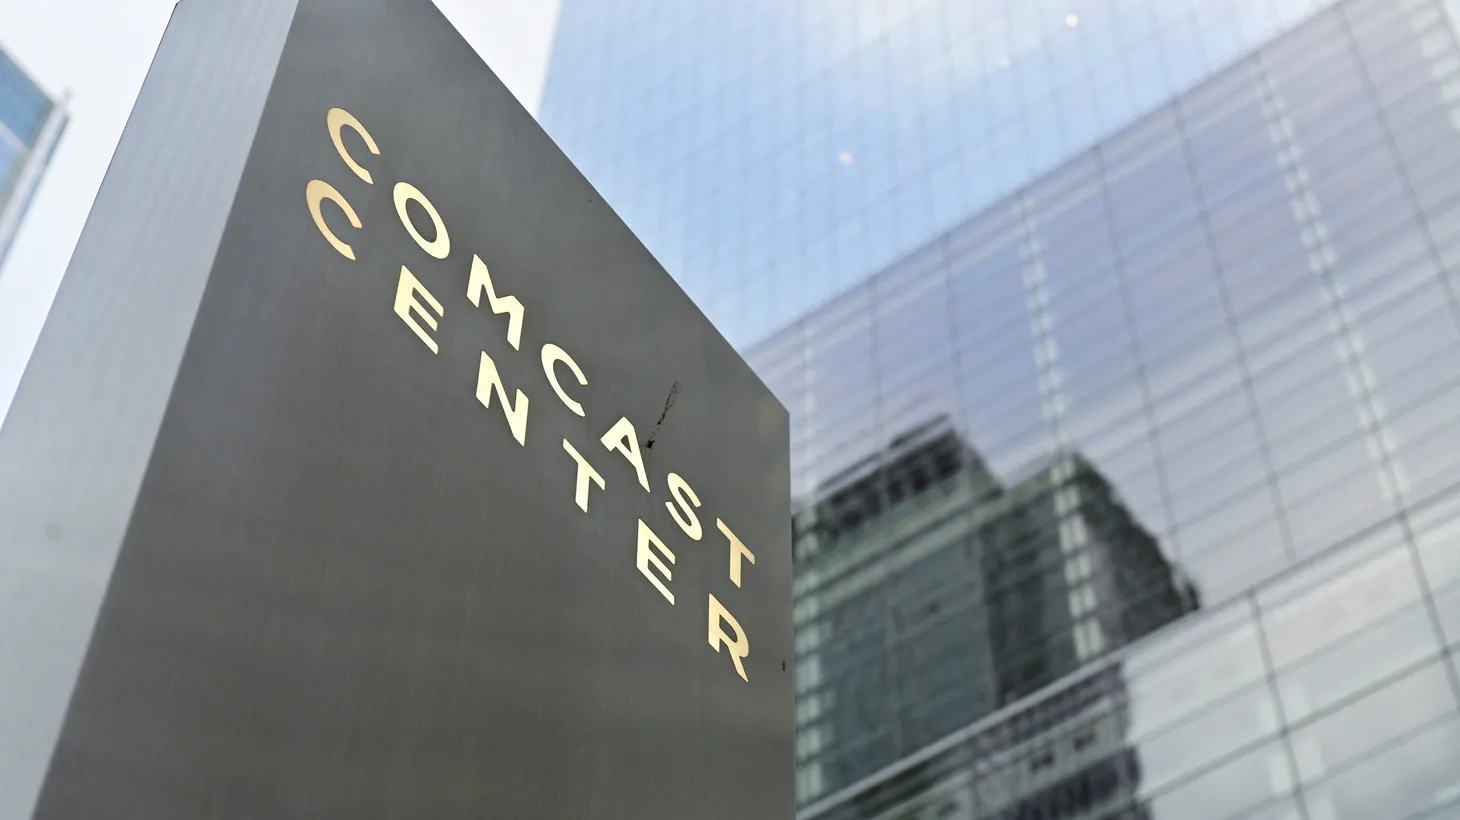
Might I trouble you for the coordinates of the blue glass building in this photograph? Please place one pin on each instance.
(1122, 346)
(30, 126)
(773, 153)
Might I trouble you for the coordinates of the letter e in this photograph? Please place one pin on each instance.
(646, 557)
(407, 306)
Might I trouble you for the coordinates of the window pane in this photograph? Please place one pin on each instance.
(1210, 734)
(1191, 667)
(1230, 556)
(1230, 788)
(1378, 651)
(1439, 545)
(1285, 809)
(1447, 601)
(1416, 775)
(1340, 606)
(1374, 720)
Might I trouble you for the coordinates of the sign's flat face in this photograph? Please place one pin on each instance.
(459, 508)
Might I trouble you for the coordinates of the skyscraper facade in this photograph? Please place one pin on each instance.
(31, 123)
(1124, 338)
(774, 153)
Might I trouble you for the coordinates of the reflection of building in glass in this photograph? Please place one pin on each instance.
(30, 125)
(1070, 574)
(1065, 756)
(1210, 246)
(928, 594)
(892, 646)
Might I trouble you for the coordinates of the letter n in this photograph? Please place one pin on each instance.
(489, 381)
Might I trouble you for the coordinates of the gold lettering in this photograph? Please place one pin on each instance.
(737, 551)
(551, 355)
(646, 557)
(480, 282)
(315, 193)
(681, 507)
(408, 307)
(405, 193)
(739, 645)
(489, 381)
(586, 473)
(621, 438)
(338, 119)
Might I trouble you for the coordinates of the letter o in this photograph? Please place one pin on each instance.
(440, 247)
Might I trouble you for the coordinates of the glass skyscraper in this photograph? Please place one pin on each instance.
(1122, 346)
(31, 123)
(774, 152)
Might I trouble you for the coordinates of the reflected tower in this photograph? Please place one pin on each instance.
(929, 594)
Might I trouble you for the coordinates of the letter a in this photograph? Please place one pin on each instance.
(621, 438)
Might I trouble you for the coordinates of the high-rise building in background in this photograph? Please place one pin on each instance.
(31, 123)
(1122, 346)
(928, 595)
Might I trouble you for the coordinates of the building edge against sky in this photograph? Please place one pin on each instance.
(774, 154)
(31, 125)
(1237, 304)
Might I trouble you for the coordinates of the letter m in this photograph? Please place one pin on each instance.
(481, 280)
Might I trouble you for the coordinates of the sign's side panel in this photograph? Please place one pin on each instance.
(460, 508)
(81, 429)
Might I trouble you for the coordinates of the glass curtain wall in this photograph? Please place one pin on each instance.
(1122, 347)
(1240, 311)
(772, 153)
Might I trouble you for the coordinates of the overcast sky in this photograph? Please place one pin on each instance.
(97, 51)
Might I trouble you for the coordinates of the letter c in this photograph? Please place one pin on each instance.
(315, 193)
(551, 355)
(338, 119)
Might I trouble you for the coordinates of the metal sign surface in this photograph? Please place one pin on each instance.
(457, 507)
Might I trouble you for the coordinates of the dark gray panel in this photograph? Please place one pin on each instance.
(81, 429)
(347, 591)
